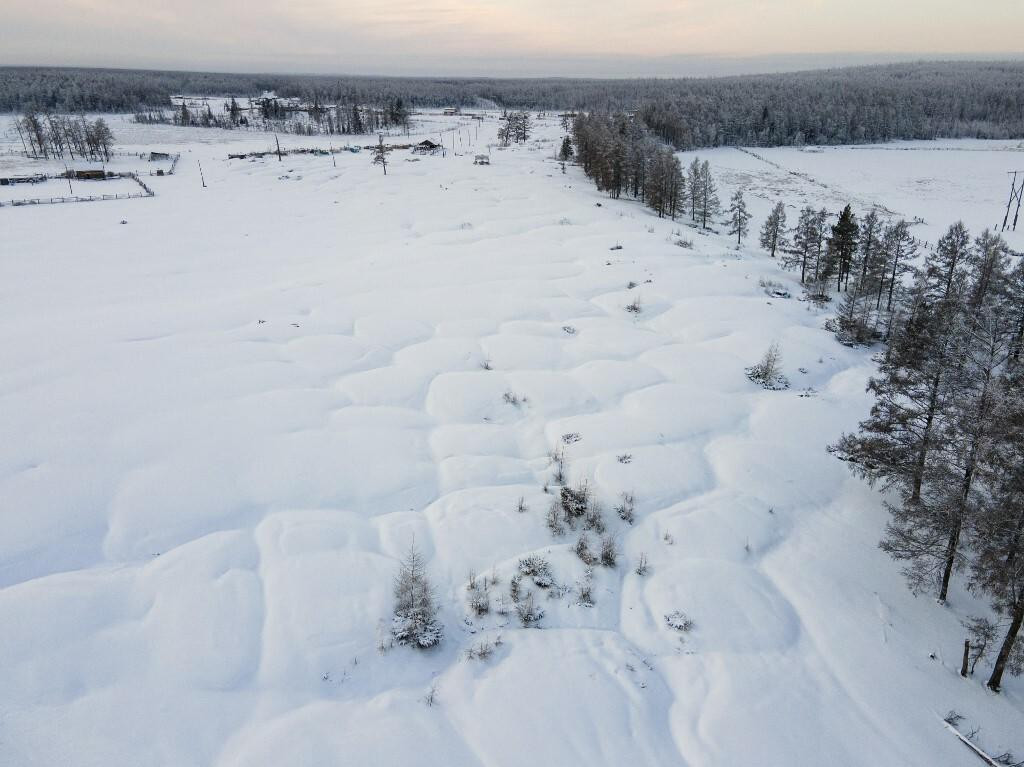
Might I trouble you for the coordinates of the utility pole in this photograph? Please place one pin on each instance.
(201, 176)
(1016, 193)
(278, 148)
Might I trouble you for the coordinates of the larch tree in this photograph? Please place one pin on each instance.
(693, 184)
(773, 233)
(739, 217)
(997, 531)
(709, 202)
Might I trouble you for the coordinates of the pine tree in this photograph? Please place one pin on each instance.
(415, 622)
(856, 319)
(773, 233)
(380, 154)
(842, 245)
(739, 217)
(565, 153)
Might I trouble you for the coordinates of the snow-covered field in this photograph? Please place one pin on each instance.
(226, 419)
(935, 182)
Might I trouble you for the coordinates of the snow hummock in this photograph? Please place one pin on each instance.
(227, 419)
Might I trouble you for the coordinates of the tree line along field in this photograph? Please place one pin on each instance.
(586, 432)
(853, 105)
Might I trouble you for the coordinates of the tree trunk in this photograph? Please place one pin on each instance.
(958, 523)
(951, 547)
(996, 679)
(918, 478)
(967, 657)
(892, 281)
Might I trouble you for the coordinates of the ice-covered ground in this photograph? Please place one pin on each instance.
(226, 419)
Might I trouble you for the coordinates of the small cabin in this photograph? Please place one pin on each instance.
(156, 156)
(482, 159)
(89, 175)
(426, 147)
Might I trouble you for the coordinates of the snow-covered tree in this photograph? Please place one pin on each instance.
(773, 233)
(768, 372)
(380, 154)
(415, 622)
(709, 204)
(739, 217)
(565, 153)
(693, 186)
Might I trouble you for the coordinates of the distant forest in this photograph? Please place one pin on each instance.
(838, 106)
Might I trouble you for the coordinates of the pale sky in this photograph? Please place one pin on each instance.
(503, 37)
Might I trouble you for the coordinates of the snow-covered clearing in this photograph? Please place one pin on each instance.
(935, 182)
(225, 420)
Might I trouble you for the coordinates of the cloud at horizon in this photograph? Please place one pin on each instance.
(529, 37)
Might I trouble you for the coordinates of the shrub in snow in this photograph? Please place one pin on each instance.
(626, 508)
(583, 550)
(478, 595)
(482, 650)
(774, 289)
(537, 568)
(634, 307)
(575, 501)
(585, 594)
(594, 519)
(415, 622)
(529, 613)
(554, 519)
(514, 591)
(514, 399)
(521, 507)
(558, 461)
(679, 621)
(609, 552)
(642, 567)
(768, 372)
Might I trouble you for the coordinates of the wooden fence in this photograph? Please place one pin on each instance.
(146, 192)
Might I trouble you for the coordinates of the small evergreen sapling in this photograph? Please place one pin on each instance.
(768, 372)
(380, 154)
(415, 621)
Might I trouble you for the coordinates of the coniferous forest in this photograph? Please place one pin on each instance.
(850, 105)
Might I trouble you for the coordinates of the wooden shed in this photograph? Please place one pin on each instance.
(426, 147)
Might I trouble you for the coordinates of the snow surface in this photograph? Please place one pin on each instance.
(227, 418)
